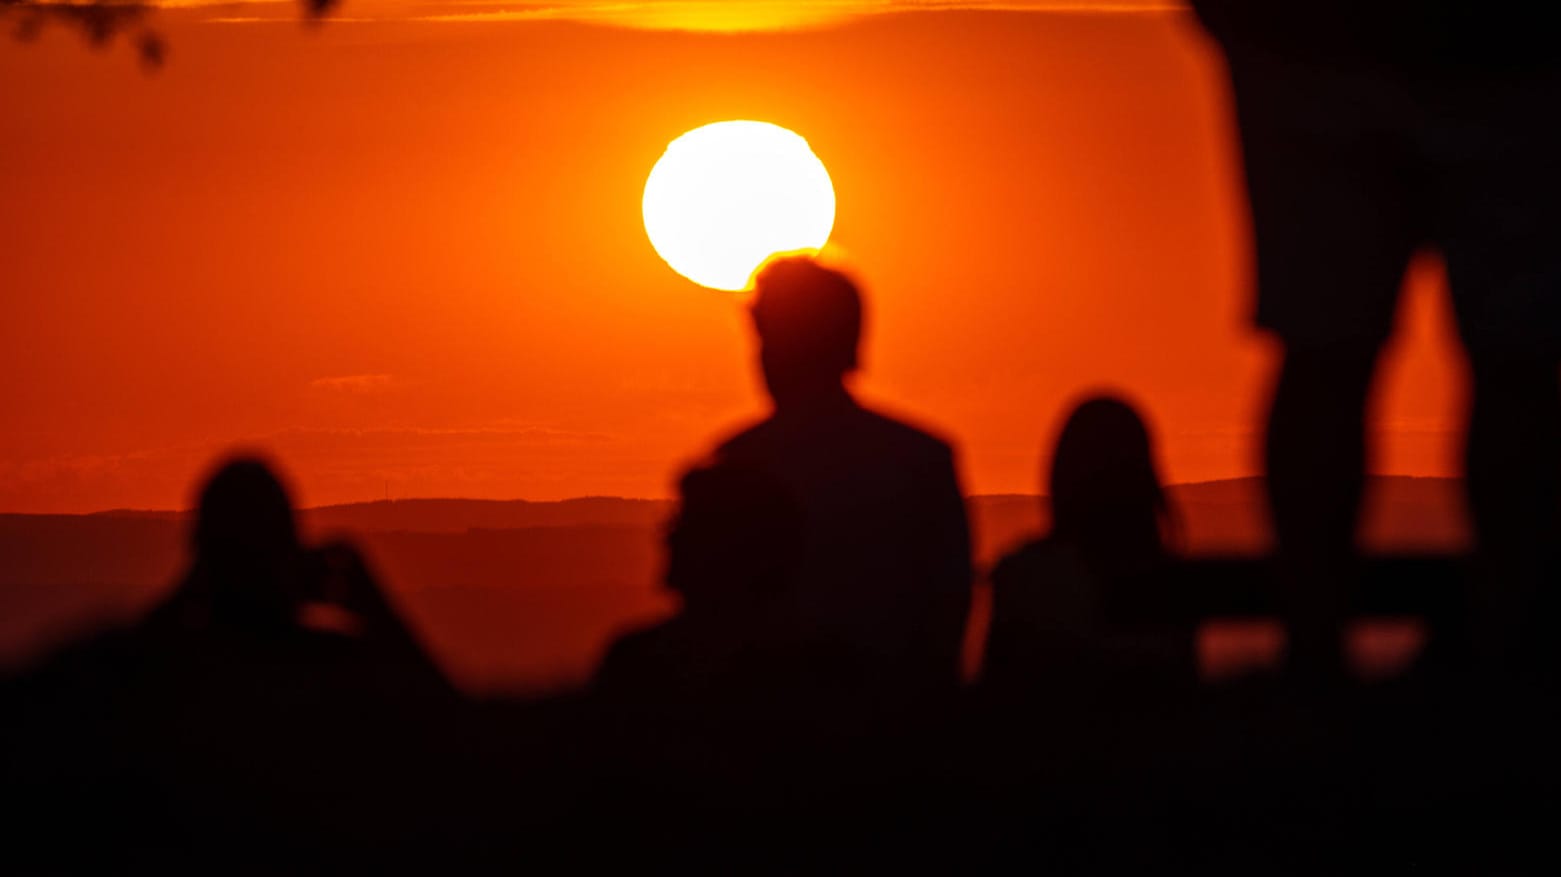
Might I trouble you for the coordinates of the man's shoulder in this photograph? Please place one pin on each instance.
(906, 434)
(650, 639)
(1022, 562)
(856, 427)
(753, 435)
(636, 655)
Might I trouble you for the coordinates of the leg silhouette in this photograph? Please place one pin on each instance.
(1316, 462)
(1514, 484)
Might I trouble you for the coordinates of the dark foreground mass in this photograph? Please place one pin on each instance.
(133, 758)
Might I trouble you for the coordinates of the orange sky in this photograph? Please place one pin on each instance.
(407, 254)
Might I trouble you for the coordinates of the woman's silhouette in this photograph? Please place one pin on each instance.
(231, 714)
(247, 564)
(252, 577)
(1079, 606)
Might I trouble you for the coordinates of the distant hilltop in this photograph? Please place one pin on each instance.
(457, 515)
(1228, 515)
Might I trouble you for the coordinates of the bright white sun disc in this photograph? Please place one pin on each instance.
(727, 196)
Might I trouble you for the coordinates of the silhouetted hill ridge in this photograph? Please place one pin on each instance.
(451, 514)
(455, 514)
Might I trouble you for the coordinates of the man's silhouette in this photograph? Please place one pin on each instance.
(886, 566)
(1370, 130)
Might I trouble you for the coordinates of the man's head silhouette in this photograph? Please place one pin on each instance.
(809, 322)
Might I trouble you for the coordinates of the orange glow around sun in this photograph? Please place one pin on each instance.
(727, 196)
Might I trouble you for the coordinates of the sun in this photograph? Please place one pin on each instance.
(728, 195)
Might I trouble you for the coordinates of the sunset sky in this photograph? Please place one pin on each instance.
(403, 250)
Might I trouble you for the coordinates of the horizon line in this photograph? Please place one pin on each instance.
(127, 510)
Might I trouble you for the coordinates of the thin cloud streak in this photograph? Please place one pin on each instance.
(732, 17)
(354, 383)
(719, 16)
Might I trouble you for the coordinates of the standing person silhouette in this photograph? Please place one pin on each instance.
(885, 575)
(1370, 130)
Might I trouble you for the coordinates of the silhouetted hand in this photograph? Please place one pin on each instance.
(342, 579)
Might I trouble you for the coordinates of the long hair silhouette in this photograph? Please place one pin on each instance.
(1105, 488)
(246, 546)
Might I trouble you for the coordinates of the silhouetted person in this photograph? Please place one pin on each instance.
(1371, 130)
(248, 568)
(1085, 604)
(732, 556)
(268, 705)
(886, 565)
(251, 578)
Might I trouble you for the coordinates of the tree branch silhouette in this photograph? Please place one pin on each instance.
(100, 22)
